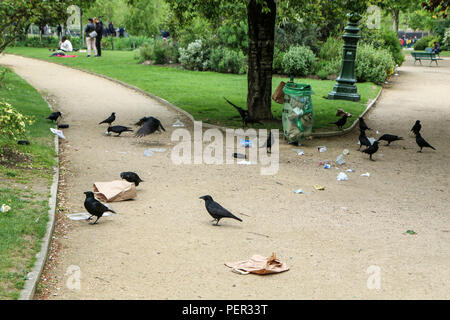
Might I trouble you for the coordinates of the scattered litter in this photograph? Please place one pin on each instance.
(319, 187)
(239, 156)
(149, 152)
(367, 174)
(246, 143)
(106, 133)
(83, 216)
(299, 191)
(342, 177)
(321, 163)
(340, 160)
(372, 140)
(346, 152)
(378, 132)
(322, 149)
(245, 162)
(300, 152)
(412, 232)
(5, 208)
(178, 123)
(118, 190)
(350, 170)
(258, 265)
(327, 166)
(58, 132)
(82, 51)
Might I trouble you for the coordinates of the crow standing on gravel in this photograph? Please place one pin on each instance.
(95, 207)
(422, 143)
(389, 138)
(150, 125)
(362, 125)
(131, 177)
(363, 140)
(372, 149)
(110, 119)
(54, 116)
(216, 210)
(342, 121)
(417, 127)
(245, 115)
(119, 129)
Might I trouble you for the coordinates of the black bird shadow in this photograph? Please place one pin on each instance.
(221, 224)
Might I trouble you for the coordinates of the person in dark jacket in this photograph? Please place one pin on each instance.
(90, 37)
(111, 29)
(98, 39)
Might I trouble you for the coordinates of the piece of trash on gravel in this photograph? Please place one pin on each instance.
(59, 133)
(319, 187)
(83, 216)
(149, 152)
(372, 140)
(342, 177)
(5, 208)
(367, 174)
(327, 166)
(258, 264)
(340, 160)
(350, 170)
(246, 143)
(299, 191)
(346, 152)
(178, 124)
(412, 232)
(239, 156)
(245, 162)
(322, 149)
(299, 152)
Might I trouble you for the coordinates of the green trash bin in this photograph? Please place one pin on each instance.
(298, 113)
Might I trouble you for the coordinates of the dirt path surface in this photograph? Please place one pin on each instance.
(163, 246)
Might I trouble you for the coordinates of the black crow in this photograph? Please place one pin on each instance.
(341, 122)
(389, 138)
(362, 124)
(363, 140)
(131, 177)
(149, 126)
(216, 210)
(110, 119)
(119, 129)
(268, 143)
(245, 115)
(372, 149)
(417, 127)
(142, 121)
(422, 143)
(54, 116)
(95, 207)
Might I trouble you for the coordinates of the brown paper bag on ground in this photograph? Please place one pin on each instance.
(259, 265)
(278, 95)
(118, 190)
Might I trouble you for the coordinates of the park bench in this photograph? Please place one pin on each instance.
(425, 56)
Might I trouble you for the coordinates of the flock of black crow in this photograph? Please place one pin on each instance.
(149, 125)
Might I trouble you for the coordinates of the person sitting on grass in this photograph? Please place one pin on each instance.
(65, 45)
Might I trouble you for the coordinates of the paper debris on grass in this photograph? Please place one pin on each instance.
(258, 264)
(5, 208)
(322, 149)
(59, 133)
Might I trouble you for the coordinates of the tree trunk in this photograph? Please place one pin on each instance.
(396, 17)
(261, 34)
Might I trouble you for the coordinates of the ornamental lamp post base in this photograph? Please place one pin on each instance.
(344, 92)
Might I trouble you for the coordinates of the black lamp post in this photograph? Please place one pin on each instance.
(345, 88)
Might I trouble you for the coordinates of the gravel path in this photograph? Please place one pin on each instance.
(162, 245)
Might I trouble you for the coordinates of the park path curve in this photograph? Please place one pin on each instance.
(162, 245)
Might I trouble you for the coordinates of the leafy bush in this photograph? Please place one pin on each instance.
(126, 43)
(160, 52)
(432, 41)
(295, 34)
(226, 60)
(393, 45)
(233, 36)
(374, 65)
(332, 67)
(331, 49)
(146, 52)
(12, 122)
(195, 56)
(422, 43)
(446, 40)
(298, 61)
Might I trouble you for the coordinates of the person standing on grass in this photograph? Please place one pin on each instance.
(98, 39)
(91, 34)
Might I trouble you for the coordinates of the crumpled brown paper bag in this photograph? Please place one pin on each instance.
(258, 265)
(118, 190)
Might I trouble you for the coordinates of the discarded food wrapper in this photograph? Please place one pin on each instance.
(367, 174)
(342, 177)
(322, 149)
(118, 190)
(59, 133)
(319, 187)
(340, 160)
(258, 265)
(378, 132)
(299, 191)
(83, 216)
(300, 152)
(149, 152)
(327, 166)
(178, 124)
(5, 208)
(245, 162)
(350, 170)
(412, 232)
(246, 143)
(346, 152)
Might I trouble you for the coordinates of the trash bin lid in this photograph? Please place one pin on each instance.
(297, 89)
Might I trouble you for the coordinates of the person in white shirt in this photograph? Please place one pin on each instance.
(65, 45)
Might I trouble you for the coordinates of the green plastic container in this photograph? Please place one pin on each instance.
(298, 112)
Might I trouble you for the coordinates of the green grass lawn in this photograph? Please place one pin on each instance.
(201, 93)
(445, 54)
(24, 186)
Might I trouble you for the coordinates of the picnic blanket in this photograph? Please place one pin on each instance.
(66, 56)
